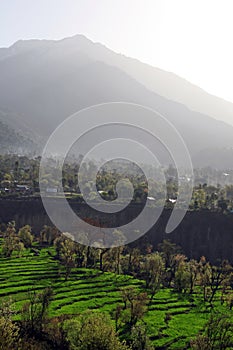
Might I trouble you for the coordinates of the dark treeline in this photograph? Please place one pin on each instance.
(202, 232)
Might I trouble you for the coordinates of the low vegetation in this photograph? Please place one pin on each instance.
(55, 294)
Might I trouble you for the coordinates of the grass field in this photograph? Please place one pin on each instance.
(92, 289)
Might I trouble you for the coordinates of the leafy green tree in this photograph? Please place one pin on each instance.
(182, 278)
(219, 277)
(193, 274)
(92, 331)
(9, 331)
(218, 334)
(119, 240)
(34, 312)
(199, 198)
(67, 254)
(113, 255)
(103, 251)
(182, 273)
(168, 250)
(139, 339)
(205, 277)
(19, 248)
(48, 234)
(154, 271)
(135, 306)
(25, 235)
(134, 261)
(201, 342)
(11, 241)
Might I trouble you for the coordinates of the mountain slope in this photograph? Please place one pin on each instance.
(46, 81)
(13, 142)
(166, 84)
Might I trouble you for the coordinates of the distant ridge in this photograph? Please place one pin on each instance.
(44, 81)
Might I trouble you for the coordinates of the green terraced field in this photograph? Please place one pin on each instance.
(92, 289)
(85, 289)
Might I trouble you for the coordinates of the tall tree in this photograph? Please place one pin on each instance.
(11, 241)
(154, 268)
(9, 331)
(25, 235)
(34, 312)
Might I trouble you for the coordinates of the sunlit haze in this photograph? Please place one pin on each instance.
(190, 38)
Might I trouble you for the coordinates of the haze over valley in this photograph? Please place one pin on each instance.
(45, 81)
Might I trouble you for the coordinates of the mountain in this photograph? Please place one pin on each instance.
(166, 84)
(14, 142)
(45, 81)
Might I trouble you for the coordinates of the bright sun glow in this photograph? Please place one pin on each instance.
(190, 38)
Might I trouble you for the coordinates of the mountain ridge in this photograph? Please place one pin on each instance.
(174, 93)
(46, 81)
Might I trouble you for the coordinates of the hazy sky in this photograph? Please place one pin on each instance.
(192, 38)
